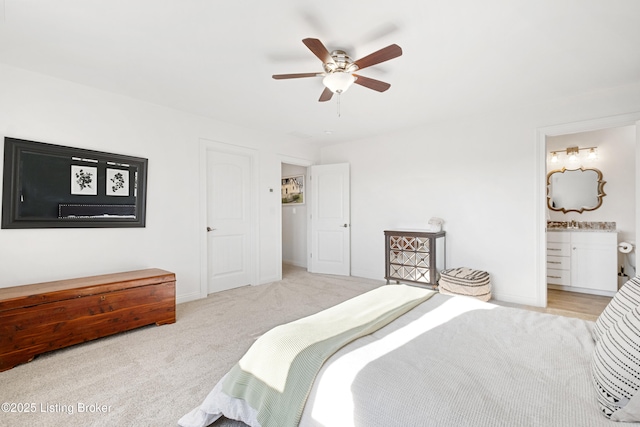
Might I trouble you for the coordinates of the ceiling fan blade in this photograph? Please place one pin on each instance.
(326, 95)
(318, 50)
(294, 76)
(372, 83)
(382, 55)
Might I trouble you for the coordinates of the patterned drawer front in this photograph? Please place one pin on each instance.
(423, 275)
(558, 249)
(558, 262)
(559, 277)
(422, 259)
(413, 259)
(422, 244)
(395, 271)
(396, 257)
(416, 274)
(403, 243)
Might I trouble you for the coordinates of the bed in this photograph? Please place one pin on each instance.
(438, 360)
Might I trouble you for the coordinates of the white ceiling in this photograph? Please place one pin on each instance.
(216, 58)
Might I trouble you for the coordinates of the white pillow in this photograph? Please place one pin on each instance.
(625, 300)
(615, 369)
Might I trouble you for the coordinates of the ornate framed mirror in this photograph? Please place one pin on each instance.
(575, 190)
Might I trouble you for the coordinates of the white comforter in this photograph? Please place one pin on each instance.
(455, 361)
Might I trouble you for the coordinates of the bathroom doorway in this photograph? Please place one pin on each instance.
(294, 194)
(615, 143)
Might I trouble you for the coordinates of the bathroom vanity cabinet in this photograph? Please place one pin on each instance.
(583, 261)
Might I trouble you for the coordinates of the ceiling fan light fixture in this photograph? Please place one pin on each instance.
(338, 81)
(339, 69)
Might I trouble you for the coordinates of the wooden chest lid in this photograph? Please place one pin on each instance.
(40, 293)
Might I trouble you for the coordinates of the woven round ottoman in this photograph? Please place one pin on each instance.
(465, 281)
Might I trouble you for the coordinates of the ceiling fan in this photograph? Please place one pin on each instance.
(339, 68)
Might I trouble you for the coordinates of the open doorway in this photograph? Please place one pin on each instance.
(316, 225)
(631, 119)
(576, 202)
(295, 217)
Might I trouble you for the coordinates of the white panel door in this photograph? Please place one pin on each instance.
(330, 219)
(228, 220)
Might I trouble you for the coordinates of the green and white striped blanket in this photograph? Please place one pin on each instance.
(275, 376)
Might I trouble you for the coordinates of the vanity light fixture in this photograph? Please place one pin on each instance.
(573, 153)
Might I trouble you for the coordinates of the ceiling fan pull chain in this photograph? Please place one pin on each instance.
(338, 104)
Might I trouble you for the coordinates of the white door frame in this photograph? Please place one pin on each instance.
(297, 162)
(541, 190)
(206, 146)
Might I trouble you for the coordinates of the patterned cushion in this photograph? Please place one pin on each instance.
(625, 300)
(465, 281)
(615, 368)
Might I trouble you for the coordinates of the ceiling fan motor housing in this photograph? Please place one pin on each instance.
(341, 63)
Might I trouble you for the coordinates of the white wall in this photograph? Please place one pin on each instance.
(479, 174)
(39, 108)
(294, 223)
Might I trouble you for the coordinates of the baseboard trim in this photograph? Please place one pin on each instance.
(189, 297)
(367, 274)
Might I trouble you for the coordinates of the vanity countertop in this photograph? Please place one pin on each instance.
(587, 226)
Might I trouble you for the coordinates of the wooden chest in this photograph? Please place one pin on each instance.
(47, 316)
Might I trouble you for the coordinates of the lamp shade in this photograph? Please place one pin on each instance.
(338, 81)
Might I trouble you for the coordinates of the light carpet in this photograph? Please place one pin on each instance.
(152, 376)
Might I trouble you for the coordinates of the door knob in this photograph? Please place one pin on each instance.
(209, 229)
(345, 225)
